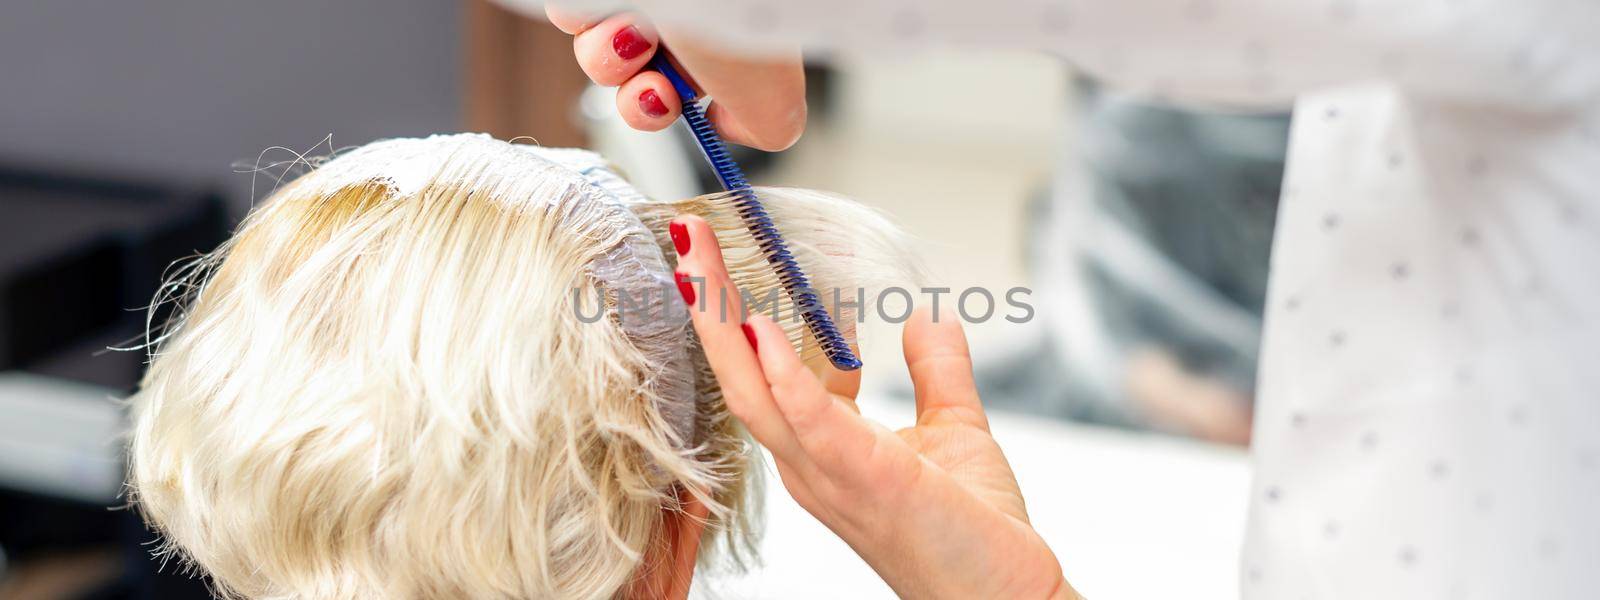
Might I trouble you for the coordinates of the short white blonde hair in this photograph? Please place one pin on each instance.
(382, 385)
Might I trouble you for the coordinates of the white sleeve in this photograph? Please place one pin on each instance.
(1538, 54)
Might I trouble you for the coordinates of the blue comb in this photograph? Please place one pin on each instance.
(760, 225)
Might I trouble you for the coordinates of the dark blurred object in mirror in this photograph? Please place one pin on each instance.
(81, 258)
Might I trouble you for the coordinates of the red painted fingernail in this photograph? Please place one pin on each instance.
(651, 104)
(685, 288)
(749, 334)
(680, 237)
(629, 43)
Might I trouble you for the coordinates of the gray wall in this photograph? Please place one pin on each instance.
(186, 88)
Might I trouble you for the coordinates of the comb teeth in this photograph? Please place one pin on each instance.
(749, 208)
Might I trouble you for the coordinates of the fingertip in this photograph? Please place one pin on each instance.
(698, 230)
(647, 102)
(940, 365)
(944, 315)
(750, 336)
(759, 329)
(762, 332)
(615, 49)
(778, 358)
(764, 327)
(701, 240)
(926, 325)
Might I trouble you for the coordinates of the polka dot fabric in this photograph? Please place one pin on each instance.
(1429, 413)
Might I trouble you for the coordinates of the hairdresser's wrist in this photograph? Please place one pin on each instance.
(1001, 562)
(1052, 589)
(1064, 591)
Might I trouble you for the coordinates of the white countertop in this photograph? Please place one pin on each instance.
(1130, 516)
(59, 438)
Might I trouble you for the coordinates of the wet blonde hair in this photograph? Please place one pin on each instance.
(382, 385)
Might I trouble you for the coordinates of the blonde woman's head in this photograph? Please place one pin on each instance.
(409, 375)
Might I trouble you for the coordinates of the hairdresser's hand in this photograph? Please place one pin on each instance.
(933, 508)
(759, 103)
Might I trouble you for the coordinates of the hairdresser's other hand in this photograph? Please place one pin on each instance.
(759, 101)
(934, 508)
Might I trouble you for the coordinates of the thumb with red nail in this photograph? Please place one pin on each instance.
(760, 101)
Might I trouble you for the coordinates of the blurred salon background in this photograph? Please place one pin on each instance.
(136, 134)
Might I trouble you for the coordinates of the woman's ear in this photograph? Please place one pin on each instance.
(668, 566)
